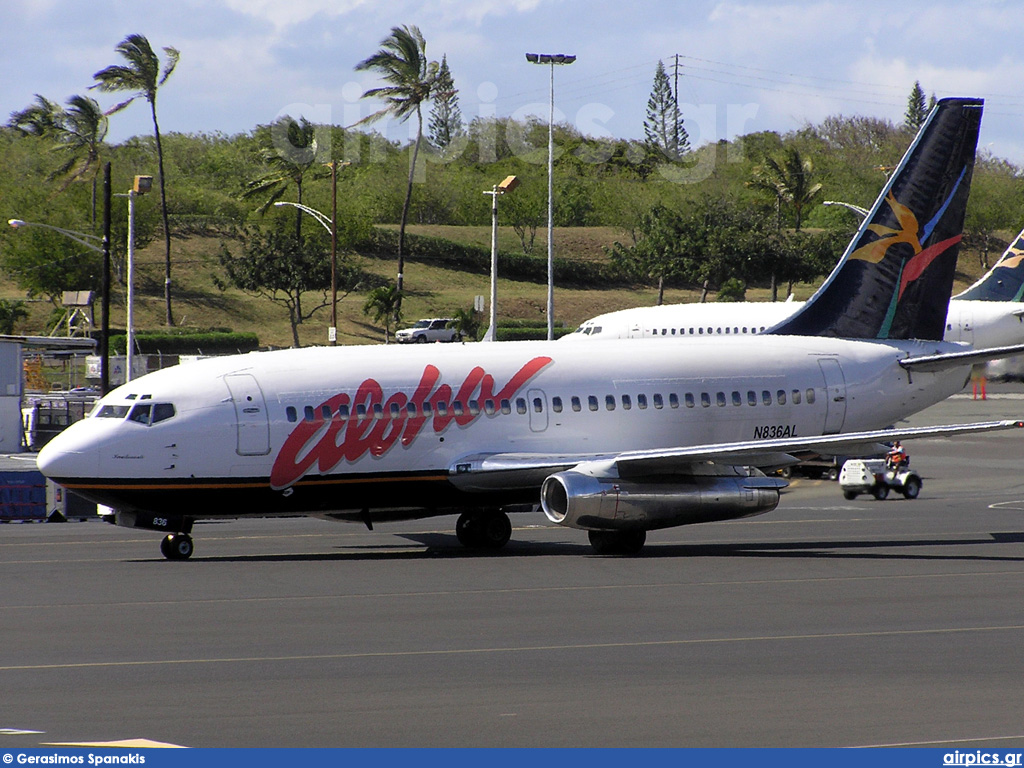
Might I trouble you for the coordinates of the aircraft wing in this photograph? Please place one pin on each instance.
(495, 471)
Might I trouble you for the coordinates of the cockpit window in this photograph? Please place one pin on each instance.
(151, 413)
(112, 412)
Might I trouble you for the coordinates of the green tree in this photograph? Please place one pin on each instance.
(277, 266)
(38, 119)
(402, 64)
(142, 75)
(659, 248)
(290, 153)
(383, 307)
(80, 137)
(445, 116)
(917, 109)
(11, 313)
(663, 126)
(467, 322)
(790, 180)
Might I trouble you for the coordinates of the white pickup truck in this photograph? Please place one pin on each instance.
(872, 476)
(431, 329)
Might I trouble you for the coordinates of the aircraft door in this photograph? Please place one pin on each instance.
(835, 395)
(537, 404)
(250, 414)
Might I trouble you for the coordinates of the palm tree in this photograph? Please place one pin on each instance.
(402, 63)
(292, 153)
(81, 136)
(789, 181)
(38, 119)
(143, 75)
(383, 306)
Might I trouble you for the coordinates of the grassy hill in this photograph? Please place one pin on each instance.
(431, 291)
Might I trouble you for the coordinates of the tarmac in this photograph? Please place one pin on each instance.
(824, 623)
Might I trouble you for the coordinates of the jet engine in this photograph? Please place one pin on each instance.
(577, 499)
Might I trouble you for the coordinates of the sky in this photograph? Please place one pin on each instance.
(744, 66)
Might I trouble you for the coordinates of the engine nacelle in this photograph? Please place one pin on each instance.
(579, 500)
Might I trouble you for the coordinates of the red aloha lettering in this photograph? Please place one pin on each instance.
(374, 426)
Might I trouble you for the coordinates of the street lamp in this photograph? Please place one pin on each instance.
(507, 185)
(551, 59)
(103, 248)
(140, 186)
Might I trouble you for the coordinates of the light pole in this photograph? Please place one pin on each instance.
(507, 185)
(551, 59)
(331, 225)
(140, 186)
(104, 249)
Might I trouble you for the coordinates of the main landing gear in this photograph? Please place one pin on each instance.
(483, 529)
(176, 546)
(617, 542)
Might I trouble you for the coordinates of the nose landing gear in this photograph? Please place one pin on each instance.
(176, 546)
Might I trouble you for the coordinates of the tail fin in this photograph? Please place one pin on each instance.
(1005, 281)
(895, 278)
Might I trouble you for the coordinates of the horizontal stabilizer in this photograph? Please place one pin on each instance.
(948, 360)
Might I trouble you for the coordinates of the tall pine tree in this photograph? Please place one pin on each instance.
(917, 109)
(663, 127)
(445, 116)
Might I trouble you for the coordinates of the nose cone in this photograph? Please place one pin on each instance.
(71, 454)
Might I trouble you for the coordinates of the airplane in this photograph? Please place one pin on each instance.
(988, 314)
(645, 436)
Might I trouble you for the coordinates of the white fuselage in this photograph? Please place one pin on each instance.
(342, 428)
(982, 324)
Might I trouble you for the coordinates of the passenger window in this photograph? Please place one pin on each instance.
(442, 409)
(457, 407)
(688, 399)
(626, 403)
(673, 400)
(592, 402)
(810, 396)
(290, 413)
(720, 399)
(427, 408)
(410, 410)
(705, 400)
(538, 405)
(796, 397)
(360, 410)
(309, 413)
(609, 402)
(737, 399)
(506, 407)
(766, 397)
(520, 405)
(781, 396)
(576, 405)
(474, 407)
(395, 409)
(641, 402)
(658, 402)
(556, 404)
(489, 407)
(325, 412)
(378, 411)
(751, 397)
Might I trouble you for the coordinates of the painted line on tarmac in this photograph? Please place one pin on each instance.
(514, 649)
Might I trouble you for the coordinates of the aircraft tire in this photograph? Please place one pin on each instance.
(483, 529)
(617, 542)
(176, 546)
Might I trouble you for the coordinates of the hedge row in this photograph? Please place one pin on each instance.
(477, 259)
(529, 334)
(170, 343)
